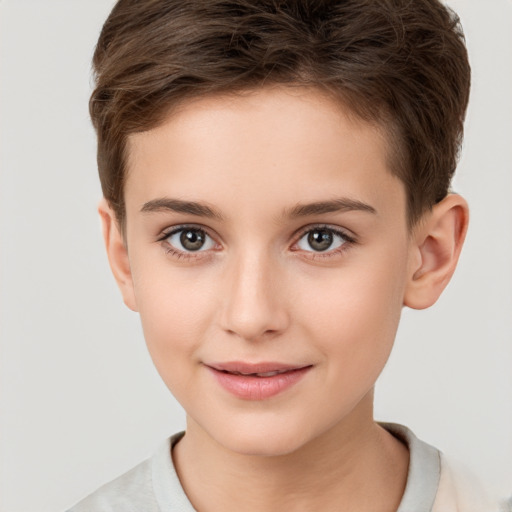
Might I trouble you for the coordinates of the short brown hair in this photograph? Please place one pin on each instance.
(400, 63)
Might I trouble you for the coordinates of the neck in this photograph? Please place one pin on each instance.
(354, 466)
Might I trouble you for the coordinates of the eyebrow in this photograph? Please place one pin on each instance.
(335, 205)
(300, 210)
(177, 205)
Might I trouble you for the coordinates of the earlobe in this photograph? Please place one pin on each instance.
(117, 254)
(437, 243)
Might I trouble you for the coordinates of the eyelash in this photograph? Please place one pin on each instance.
(349, 241)
(176, 253)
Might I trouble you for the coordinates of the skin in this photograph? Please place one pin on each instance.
(259, 291)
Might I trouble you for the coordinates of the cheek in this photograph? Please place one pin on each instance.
(354, 315)
(176, 310)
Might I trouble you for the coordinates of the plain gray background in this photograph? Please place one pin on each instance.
(80, 400)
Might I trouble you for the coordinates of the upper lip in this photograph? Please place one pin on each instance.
(251, 368)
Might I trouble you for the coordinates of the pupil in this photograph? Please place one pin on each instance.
(192, 240)
(320, 240)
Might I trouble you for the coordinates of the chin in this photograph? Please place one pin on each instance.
(262, 447)
(272, 439)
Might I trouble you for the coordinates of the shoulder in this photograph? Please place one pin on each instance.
(436, 484)
(460, 490)
(131, 492)
(151, 486)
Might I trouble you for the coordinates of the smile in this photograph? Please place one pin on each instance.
(257, 381)
(266, 374)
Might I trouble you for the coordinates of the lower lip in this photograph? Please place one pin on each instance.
(248, 387)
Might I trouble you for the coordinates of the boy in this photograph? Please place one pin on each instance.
(275, 179)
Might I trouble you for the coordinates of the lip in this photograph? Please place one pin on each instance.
(257, 381)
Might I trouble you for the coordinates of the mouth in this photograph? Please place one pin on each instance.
(257, 381)
(255, 369)
(258, 374)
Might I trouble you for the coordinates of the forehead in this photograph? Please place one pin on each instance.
(276, 145)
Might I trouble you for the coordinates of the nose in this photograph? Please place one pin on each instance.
(254, 302)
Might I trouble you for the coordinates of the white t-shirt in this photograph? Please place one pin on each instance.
(153, 485)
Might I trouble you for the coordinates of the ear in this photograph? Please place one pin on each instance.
(117, 254)
(437, 242)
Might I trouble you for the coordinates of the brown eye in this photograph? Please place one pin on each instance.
(321, 240)
(190, 240)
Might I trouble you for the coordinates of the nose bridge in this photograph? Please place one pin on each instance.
(253, 306)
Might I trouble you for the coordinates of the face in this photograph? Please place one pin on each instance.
(268, 256)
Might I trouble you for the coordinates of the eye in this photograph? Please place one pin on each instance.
(190, 240)
(322, 240)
